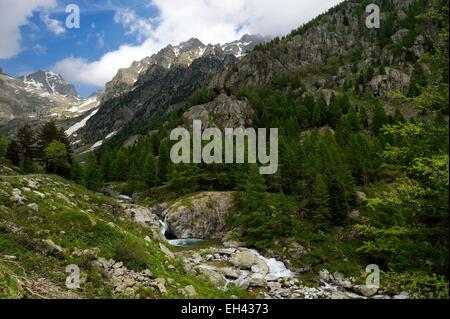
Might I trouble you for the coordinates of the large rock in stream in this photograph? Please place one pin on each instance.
(202, 216)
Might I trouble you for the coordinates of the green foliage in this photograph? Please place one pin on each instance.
(4, 142)
(57, 158)
(92, 174)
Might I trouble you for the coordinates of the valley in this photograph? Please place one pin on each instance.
(356, 191)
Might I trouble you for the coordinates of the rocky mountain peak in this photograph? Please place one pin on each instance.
(191, 44)
(50, 82)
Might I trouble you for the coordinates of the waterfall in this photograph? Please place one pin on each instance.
(164, 224)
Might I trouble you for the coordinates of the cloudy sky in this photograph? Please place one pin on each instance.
(114, 33)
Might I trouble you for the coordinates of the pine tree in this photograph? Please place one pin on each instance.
(418, 81)
(13, 153)
(320, 200)
(320, 111)
(338, 201)
(27, 147)
(164, 161)
(379, 118)
(48, 134)
(335, 113)
(252, 190)
(150, 171)
(363, 117)
(92, 178)
(119, 167)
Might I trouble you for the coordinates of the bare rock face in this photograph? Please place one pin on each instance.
(202, 216)
(393, 80)
(223, 112)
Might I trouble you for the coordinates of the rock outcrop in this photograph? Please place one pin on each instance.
(202, 216)
(223, 112)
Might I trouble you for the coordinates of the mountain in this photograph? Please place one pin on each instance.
(38, 97)
(361, 158)
(183, 54)
(155, 84)
(50, 82)
(340, 40)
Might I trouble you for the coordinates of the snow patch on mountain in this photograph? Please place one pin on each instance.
(74, 128)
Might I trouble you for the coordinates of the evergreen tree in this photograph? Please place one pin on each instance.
(363, 117)
(320, 200)
(319, 114)
(338, 201)
(13, 153)
(119, 167)
(418, 81)
(335, 113)
(27, 148)
(92, 178)
(150, 171)
(379, 118)
(164, 161)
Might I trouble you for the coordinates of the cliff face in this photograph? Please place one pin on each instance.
(341, 40)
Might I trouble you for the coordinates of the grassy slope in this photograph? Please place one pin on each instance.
(87, 221)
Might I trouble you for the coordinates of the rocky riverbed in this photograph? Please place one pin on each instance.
(196, 221)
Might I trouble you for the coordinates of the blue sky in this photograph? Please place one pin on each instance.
(98, 34)
(114, 33)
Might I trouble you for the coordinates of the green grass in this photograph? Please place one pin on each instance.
(92, 221)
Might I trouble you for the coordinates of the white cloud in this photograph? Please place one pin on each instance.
(55, 26)
(13, 15)
(39, 49)
(211, 21)
(135, 25)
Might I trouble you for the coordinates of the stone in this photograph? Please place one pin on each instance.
(342, 281)
(118, 265)
(39, 194)
(231, 273)
(361, 197)
(17, 197)
(169, 254)
(32, 184)
(365, 290)
(296, 250)
(260, 267)
(402, 295)
(53, 247)
(354, 215)
(33, 206)
(274, 285)
(258, 280)
(243, 283)
(244, 259)
(63, 198)
(190, 291)
(324, 275)
(233, 244)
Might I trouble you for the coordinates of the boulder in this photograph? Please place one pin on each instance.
(166, 251)
(202, 216)
(53, 247)
(17, 197)
(260, 267)
(190, 292)
(258, 280)
(365, 290)
(244, 259)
